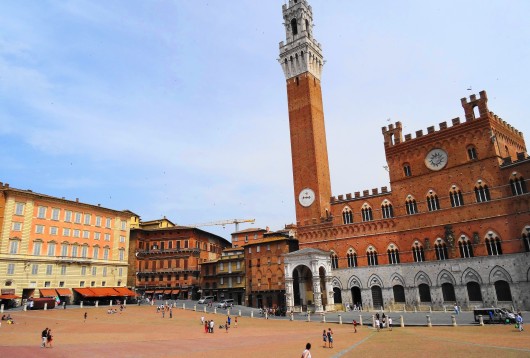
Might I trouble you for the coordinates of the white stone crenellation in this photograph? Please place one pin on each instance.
(300, 53)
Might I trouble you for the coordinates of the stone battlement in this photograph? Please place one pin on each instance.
(474, 109)
(357, 195)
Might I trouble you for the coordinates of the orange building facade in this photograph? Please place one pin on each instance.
(453, 227)
(50, 244)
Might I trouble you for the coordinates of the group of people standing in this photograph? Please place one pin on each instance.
(47, 338)
(382, 322)
(210, 324)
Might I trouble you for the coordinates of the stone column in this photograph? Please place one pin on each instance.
(289, 294)
(329, 293)
(317, 294)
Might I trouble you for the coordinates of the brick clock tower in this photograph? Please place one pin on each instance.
(302, 61)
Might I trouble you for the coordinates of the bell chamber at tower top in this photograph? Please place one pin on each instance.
(300, 53)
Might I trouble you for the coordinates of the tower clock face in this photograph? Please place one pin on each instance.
(436, 159)
(306, 197)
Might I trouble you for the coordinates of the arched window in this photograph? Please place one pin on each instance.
(347, 216)
(441, 250)
(432, 201)
(471, 152)
(465, 247)
(366, 212)
(387, 210)
(502, 289)
(411, 206)
(493, 245)
(526, 240)
(399, 293)
(352, 258)
(406, 170)
(518, 186)
(482, 192)
(294, 27)
(393, 254)
(473, 291)
(334, 260)
(417, 252)
(371, 255)
(425, 292)
(456, 197)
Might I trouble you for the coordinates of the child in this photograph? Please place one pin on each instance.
(354, 326)
(324, 337)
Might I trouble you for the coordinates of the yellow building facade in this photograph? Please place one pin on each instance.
(49, 243)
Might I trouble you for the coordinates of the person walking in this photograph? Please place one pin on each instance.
(519, 320)
(324, 337)
(170, 313)
(307, 353)
(389, 323)
(330, 338)
(235, 322)
(49, 338)
(227, 325)
(354, 326)
(85, 316)
(206, 326)
(44, 337)
(377, 324)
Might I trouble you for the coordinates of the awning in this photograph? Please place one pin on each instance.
(87, 292)
(159, 291)
(151, 291)
(47, 292)
(175, 292)
(124, 291)
(64, 291)
(8, 297)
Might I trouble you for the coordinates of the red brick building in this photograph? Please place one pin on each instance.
(167, 258)
(265, 271)
(454, 227)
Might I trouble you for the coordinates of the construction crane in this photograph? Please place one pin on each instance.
(225, 222)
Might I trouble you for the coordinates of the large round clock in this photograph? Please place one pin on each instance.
(436, 159)
(306, 197)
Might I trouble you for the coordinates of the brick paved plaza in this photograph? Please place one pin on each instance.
(141, 332)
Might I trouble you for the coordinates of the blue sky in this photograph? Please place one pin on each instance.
(179, 108)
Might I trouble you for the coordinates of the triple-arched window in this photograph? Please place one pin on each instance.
(441, 250)
(493, 245)
(433, 203)
(347, 216)
(482, 192)
(334, 260)
(387, 210)
(411, 206)
(352, 258)
(366, 212)
(518, 185)
(371, 255)
(456, 197)
(393, 254)
(417, 252)
(465, 247)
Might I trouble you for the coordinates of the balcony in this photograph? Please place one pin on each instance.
(183, 251)
(162, 271)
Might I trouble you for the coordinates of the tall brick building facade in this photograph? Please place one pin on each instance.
(166, 259)
(454, 227)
